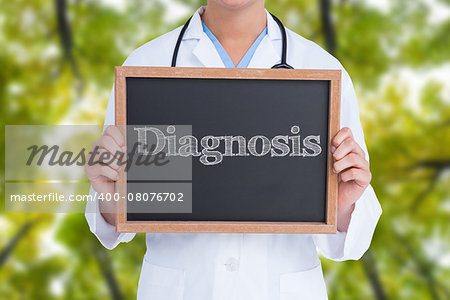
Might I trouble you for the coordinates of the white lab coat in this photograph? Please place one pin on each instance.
(244, 266)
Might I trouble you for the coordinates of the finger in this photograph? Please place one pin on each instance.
(347, 146)
(352, 160)
(104, 157)
(342, 135)
(96, 144)
(360, 176)
(108, 143)
(115, 133)
(95, 172)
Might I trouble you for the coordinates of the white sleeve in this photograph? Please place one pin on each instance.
(105, 232)
(355, 242)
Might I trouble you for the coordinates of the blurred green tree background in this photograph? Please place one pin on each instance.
(57, 63)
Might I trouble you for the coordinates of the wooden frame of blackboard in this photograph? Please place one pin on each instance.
(329, 226)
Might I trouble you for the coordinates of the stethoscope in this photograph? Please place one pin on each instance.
(282, 65)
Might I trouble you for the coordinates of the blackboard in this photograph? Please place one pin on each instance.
(252, 182)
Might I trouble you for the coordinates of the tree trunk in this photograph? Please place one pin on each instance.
(327, 25)
(65, 33)
(105, 264)
(370, 268)
(4, 254)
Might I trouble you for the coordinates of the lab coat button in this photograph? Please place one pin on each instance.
(232, 264)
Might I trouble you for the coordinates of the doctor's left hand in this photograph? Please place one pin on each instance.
(353, 174)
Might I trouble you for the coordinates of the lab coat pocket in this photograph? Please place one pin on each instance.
(160, 283)
(304, 285)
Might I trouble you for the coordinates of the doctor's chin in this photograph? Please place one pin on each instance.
(225, 149)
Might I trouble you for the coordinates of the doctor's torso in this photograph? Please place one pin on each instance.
(232, 266)
(229, 266)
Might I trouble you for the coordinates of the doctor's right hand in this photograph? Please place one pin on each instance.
(104, 175)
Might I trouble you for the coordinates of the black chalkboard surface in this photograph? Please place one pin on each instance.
(258, 149)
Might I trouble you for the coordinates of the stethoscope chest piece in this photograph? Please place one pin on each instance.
(282, 66)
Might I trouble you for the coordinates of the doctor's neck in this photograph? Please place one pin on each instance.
(235, 21)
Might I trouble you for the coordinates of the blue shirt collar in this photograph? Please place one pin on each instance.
(224, 55)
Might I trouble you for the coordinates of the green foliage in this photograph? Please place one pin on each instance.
(407, 127)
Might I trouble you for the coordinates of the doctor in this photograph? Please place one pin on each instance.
(241, 33)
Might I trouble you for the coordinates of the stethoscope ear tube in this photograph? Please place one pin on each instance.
(177, 45)
(282, 65)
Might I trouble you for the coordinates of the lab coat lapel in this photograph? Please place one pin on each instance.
(204, 51)
(267, 54)
(207, 54)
